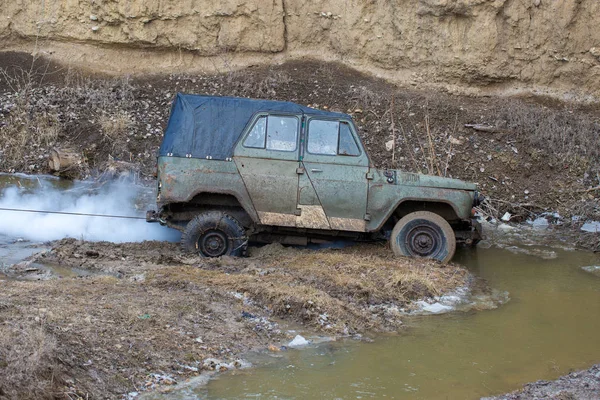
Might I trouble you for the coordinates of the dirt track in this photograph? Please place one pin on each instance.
(148, 316)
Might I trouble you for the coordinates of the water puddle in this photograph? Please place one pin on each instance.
(549, 327)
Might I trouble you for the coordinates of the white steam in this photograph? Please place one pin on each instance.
(117, 198)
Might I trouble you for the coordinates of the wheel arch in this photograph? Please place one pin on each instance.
(444, 209)
(226, 200)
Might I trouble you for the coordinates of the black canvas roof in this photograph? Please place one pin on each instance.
(209, 126)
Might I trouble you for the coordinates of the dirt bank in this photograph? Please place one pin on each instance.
(580, 385)
(475, 46)
(529, 155)
(143, 316)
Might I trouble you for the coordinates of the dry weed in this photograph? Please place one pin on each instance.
(29, 367)
(343, 285)
(116, 126)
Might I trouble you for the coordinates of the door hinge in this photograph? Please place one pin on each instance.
(300, 171)
(367, 217)
(370, 176)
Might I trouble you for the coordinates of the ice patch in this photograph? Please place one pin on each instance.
(592, 269)
(298, 341)
(435, 308)
(591, 226)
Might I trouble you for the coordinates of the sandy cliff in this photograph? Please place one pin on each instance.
(479, 46)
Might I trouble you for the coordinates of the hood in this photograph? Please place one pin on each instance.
(411, 179)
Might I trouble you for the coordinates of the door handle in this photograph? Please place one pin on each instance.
(316, 170)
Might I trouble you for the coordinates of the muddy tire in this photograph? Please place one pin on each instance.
(214, 234)
(423, 234)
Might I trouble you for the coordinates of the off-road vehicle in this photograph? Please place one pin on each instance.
(232, 170)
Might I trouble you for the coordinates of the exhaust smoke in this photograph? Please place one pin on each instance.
(108, 198)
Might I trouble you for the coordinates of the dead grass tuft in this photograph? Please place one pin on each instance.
(29, 367)
(116, 126)
(342, 285)
(557, 132)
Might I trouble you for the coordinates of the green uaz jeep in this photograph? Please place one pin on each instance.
(232, 170)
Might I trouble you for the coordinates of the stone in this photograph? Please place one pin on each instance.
(389, 145)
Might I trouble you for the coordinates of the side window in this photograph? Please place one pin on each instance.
(282, 133)
(323, 137)
(273, 133)
(348, 146)
(256, 137)
(331, 138)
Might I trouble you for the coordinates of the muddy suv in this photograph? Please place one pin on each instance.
(232, 170)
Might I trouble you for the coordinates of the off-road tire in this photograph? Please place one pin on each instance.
(214, 234)
(423, 234)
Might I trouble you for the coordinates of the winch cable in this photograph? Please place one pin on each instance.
(70, 213)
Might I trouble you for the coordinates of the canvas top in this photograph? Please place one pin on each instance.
(210, 126)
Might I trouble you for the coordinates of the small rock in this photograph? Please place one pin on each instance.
(274, 348)
(537, 2)
(389, 145)
(95, 28)
(94, 17)
(506, 217)
(454, 141)
(526, 192)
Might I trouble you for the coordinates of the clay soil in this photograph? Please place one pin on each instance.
(144, 317)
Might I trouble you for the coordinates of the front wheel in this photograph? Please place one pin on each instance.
(214, 234)
(423, 234)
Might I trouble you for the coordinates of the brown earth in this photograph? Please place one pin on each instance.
(472, 46)
(528, 154)
(145, 317)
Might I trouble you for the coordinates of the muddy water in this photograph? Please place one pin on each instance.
(550, 326)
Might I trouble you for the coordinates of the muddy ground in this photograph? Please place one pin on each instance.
(529, 155)
(144, 317)
(580, 385)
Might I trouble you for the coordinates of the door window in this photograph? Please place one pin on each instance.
(273, 132)
(331, 138)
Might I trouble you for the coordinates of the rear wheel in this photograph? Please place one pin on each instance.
(423, 234)
(214, 234)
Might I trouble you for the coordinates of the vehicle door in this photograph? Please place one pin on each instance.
(337, 166)
(267, 159)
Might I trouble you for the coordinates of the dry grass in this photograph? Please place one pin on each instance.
(560, 133)
(29, 367)
(102, 335)
(116, 126)
(345, 285)
(25, 127)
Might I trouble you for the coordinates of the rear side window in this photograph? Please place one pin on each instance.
(331, 138)
(273, 132)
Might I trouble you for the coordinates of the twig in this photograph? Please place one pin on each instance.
(481, 127)
(393, 133)
(449, 155)
(412, 154)
(589, 190)
(432, 157)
